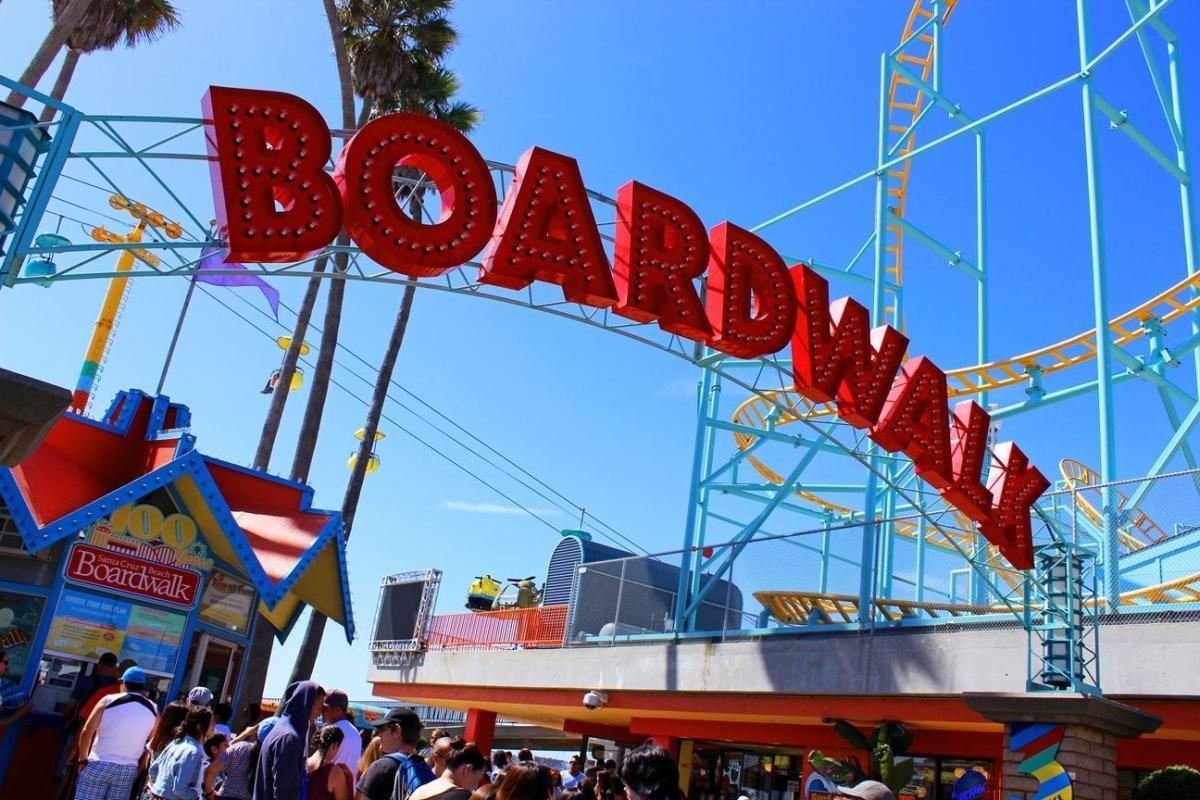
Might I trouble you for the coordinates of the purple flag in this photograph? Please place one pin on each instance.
(213, 259)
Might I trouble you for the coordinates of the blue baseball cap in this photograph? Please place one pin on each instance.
(264, 727)
(134, 676)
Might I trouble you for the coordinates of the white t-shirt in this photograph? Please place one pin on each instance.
(351, 748)
(123, 730)
(572, 781)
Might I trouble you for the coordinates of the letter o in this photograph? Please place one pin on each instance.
(373, 216)
(145, 522)
(178, 531)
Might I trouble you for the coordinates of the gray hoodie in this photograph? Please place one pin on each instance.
(280, 774)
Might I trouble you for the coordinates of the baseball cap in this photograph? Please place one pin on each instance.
(869, 790)
(134, 676)
(200, 696)
(337, 699)
(402, 716)
(264, 727)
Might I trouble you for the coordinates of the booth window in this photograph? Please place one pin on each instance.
(87, 624)
(19, 565)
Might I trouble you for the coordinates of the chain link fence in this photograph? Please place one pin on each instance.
(933, 569)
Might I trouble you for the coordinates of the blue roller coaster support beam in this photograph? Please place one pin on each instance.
(687, 558)
(1187, 198)
(981, 258)
(743, 537)
(1104, 394)
(710, 448)
(870, 531)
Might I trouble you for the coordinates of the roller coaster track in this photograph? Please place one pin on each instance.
(1134, 532)
(905, 102)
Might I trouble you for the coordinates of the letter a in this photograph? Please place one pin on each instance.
(1016, 486)
(835, 355)
(915, 419)
(547, 232)
(273, 199)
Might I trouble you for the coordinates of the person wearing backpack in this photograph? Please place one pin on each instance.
(112, 744)
(401, 770)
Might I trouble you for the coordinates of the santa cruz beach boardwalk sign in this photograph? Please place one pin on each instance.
(276, 203)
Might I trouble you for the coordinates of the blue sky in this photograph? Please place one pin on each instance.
(741, 113)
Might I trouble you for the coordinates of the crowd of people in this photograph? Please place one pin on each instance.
(121, 746)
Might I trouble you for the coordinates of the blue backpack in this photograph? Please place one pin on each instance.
(411, 773)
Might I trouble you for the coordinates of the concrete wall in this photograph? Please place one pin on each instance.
(1156, 658)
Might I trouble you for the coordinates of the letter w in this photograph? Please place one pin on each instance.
(835, 354)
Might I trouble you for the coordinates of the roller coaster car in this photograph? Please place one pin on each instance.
(484, 592)
(528, 595)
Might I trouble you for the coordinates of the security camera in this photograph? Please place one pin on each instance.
(594, 700)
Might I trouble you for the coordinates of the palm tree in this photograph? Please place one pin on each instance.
(259, 655)
(417, 34)
(64, 22)
(430, 92)
(103, 27)
(391, 43)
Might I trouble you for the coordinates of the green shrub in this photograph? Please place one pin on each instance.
(1170, 783)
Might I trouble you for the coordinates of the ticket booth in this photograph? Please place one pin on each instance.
(119, 536)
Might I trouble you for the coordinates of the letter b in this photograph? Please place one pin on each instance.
(267, 152)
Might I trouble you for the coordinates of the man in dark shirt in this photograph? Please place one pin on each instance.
(105, 674)
(399, 733)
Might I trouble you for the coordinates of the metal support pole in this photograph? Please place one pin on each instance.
(1187, 202)
(710, 448)
(825, 543)
(981, 260)
(870, 501)
(687, 557)
(1104, 394)
(187, 301)
(921, 545)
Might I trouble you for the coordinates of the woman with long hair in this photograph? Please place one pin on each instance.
(328, 780)
(526, 780)
(164, 728)
(465, 769)
(371, 753)
(177, 773)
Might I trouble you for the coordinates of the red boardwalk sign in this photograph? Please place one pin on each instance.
(275, 203)
(131, 575)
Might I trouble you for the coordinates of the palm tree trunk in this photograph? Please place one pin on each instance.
(266, 440)
(343, 63)
(364, 115)
(65, 72)
(261, 650)
(306, 658)
(46, 54)
(310, 427)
